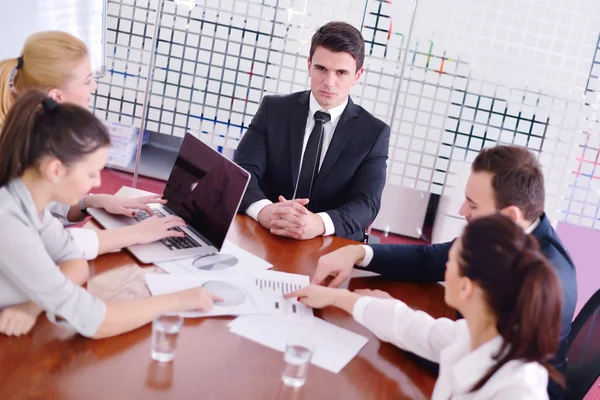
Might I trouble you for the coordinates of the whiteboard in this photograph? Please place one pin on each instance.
(85, 19)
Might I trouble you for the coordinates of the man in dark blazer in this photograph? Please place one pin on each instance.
(317, 160)
(505, 179)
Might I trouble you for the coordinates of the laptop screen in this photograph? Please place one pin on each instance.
(205, 189)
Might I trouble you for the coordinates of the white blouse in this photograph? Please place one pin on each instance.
(86, 239)
(447, 342)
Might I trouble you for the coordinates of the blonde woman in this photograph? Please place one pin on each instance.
(58, 64)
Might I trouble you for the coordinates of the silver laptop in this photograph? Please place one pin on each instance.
(205, 189)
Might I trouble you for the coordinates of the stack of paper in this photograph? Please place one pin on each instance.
(334, 346)
(124, 143)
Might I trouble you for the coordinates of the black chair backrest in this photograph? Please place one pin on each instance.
(583, 367)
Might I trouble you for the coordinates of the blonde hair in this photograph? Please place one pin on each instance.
(49, 59)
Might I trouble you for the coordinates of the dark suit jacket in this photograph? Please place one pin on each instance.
(352, 175)
(422, 263)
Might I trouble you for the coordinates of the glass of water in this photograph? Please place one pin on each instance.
(165, 331)
(298, 352)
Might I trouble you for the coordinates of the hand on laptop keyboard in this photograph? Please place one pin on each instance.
(151, 229)
(142, 215)
(122, 205)
(174, 241)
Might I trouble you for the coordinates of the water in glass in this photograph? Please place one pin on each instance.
(165, 331)
(296, 359)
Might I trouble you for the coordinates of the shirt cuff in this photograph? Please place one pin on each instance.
(328, 223)
(87, 241)
(358, 312)
(255, 208)
(368, 256)
(88, 324)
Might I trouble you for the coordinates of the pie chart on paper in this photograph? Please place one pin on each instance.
(216, 262)
(231, 294)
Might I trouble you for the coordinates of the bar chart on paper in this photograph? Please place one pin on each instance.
(274, 284)
(242, 294)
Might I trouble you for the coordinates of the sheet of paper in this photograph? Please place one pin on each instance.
(335, 347)
(240, 297)
(259, 293)
(230, 260)
(274, 284)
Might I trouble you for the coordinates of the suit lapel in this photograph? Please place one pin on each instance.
(298, 117)
(344, 130)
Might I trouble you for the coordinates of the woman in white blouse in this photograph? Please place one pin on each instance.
(52, 152)
(58, 63)
(510, 298)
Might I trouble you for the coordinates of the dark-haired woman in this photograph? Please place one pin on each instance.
(52, 152)
(510, 298)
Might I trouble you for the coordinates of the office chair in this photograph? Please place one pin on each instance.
(583, 367)
(369, 238)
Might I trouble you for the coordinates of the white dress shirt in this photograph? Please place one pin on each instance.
(448, 343)
(86, 239)
(369, 251)
(328, 129)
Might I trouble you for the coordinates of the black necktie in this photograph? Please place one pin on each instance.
(312, 156)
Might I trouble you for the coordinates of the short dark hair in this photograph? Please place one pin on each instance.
(36, 127)
(340, 37)
(517, 178)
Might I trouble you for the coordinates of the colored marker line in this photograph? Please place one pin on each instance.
(441, 70)
(125, 74)
(415, 52)
(429, 55)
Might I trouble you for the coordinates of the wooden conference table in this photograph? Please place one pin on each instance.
(52, 362)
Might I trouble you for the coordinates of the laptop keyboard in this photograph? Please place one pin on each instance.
(173, 243)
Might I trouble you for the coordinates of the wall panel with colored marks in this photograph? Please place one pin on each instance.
(450, 77)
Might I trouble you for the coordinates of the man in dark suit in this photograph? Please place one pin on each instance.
(317, 160)
(505, 179)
